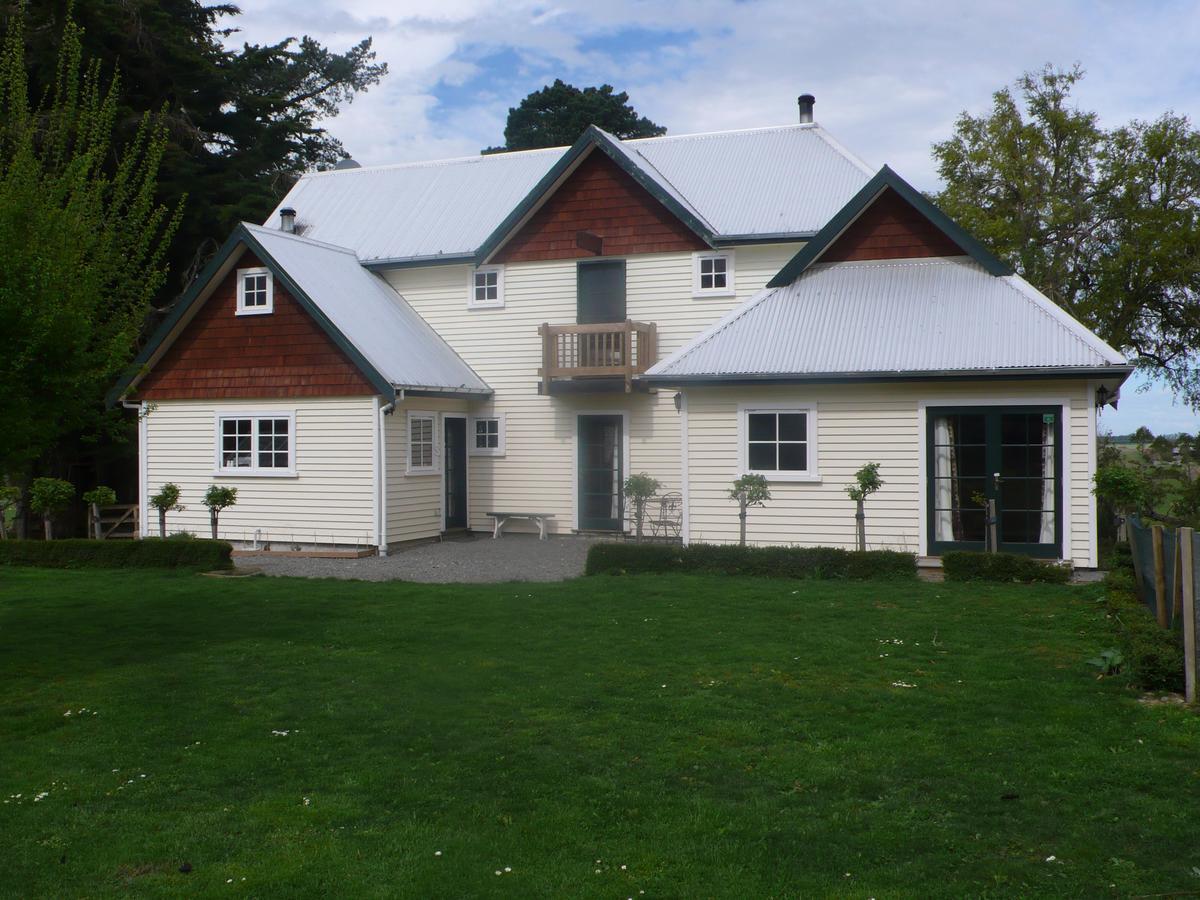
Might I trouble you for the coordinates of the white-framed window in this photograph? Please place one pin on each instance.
(255, 292)
(712, 274)
(486, 436)
(486, 289)
(258, 443)
(422, 443)
(779, 441)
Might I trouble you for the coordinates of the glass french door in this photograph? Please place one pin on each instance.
(1012, 455)
(600, 473)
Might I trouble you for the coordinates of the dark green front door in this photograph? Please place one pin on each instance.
(456, 472)
(1012, 455)
(600, 473)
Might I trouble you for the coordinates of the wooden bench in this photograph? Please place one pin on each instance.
(502, 518)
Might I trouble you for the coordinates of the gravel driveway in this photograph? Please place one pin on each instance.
(513, 557)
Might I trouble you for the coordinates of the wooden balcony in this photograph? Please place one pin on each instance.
(608, 351)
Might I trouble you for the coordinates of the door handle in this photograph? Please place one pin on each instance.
(996, 479)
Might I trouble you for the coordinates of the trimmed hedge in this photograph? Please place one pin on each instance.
(732, 559)
(966, 565)
(1153, 655)
(148, 553)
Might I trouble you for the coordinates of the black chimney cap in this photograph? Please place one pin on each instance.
(805, 102)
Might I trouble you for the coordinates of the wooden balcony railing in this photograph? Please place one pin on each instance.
(620, 349)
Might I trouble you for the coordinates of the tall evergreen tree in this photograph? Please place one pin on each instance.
(559, 113)
(243, 123)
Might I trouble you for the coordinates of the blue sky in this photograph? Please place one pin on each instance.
(889, 79)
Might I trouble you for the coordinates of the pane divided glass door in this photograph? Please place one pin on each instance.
(1012, 455)
(600, 473)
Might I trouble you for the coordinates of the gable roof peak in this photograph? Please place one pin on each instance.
(886, 178)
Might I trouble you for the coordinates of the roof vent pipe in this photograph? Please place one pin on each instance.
(287, 220)
(805, 102)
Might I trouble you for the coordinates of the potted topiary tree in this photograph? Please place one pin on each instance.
(49, 497)
(749, 490)
(95, 498)
(165, 500)
(867, 482)
(216, 499)
(639, 489)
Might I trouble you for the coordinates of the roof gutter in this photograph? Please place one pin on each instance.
(412, 262)
(1027, 373)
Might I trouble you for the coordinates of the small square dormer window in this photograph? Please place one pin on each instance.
(486, 288)
(712, 275)
(255, 292)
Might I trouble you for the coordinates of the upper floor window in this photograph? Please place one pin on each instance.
(487, 287)
(257, 444)
(712, 275)
(255, 292)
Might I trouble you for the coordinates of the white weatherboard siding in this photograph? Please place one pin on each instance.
(856, 424)
(330, 500)
(414, 502)
(502, 345)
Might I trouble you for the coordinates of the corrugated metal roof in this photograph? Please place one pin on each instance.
(784, 180)
(373, 317)
(891, 317)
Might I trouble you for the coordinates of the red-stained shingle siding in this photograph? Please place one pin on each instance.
(221, 355)
(891, 229)
(601, 198)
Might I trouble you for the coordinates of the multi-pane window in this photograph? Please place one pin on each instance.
(777, 441)
(713, 273)
(487, 287)
(487, 438)
(780, 442)
(255, 291)
(421, 443)
(255, 444)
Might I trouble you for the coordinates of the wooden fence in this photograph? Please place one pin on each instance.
(1164, 564)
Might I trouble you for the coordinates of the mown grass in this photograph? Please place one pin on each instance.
(681, 736)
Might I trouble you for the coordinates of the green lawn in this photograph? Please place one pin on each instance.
(685, 737)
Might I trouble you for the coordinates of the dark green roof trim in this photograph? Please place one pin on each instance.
(418, 262)
(591, 138)
(242, 235)
(1072, 372)
(774, 237)
(886, 178)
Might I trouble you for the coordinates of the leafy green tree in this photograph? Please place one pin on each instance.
(166, 500)
(866, 482)
(84, 243)
(558, 114)
(1104, 222)
(217, 498)
(49, 498)
(748, 490)
(1163, 449)
(242, 122)
(639, 489)
(10, 498)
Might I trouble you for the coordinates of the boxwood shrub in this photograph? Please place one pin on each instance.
(965, 565)
(148, 553)
(732, 559)
(1153, 655)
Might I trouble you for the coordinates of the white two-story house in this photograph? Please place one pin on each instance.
(402, 350)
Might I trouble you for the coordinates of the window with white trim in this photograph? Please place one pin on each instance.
(422, 443)
(712, 275)
(487, 436)
(257, 444)
(255, 292)
(486, 288)
(779, 442)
